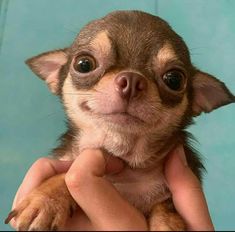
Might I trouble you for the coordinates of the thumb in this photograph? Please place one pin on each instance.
(97, 197)
(187, 193)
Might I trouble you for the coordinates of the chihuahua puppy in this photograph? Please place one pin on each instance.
(129, 88)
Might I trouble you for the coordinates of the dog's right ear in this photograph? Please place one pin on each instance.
(47, 66)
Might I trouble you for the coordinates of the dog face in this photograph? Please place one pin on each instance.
(131, 74)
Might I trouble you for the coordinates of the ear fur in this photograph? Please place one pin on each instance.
(209, 93)
(47, 66)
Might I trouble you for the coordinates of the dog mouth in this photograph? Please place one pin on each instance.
(122, 117)
(119, 117)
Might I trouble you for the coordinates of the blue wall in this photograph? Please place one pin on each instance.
(31, 118)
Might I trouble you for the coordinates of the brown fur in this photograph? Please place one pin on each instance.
(124, 42)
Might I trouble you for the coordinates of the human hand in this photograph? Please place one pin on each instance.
(115, 212)
(90, 190)
(187, 193)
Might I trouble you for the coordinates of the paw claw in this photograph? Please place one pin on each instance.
(71, 211)
(11, 215)
(39, 213)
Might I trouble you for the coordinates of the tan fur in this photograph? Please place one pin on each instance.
(164, 218)
(165, 54)
(52, 82)
(102, 43)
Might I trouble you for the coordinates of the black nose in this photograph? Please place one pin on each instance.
(130, 84)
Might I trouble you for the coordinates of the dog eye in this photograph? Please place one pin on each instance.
(174, 79)
(84, 64)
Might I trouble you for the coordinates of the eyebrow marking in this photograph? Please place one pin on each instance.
(102, 42)
(165, 54)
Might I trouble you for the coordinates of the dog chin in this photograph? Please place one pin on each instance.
(123, 123)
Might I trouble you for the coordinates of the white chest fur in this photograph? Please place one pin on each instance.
(141, 188)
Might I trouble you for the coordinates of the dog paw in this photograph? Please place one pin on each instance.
(40, 212)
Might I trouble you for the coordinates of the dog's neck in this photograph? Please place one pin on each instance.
(144, 155)
(139, 151)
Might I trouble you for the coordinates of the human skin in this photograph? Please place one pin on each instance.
(116, 213)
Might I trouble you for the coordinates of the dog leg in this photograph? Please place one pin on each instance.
(45, 208)
(164, 217)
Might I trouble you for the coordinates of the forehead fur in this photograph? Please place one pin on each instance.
(135, 35)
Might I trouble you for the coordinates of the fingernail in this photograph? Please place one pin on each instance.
(180, 151)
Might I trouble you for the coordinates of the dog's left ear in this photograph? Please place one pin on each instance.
(47, 66)
(209, 93)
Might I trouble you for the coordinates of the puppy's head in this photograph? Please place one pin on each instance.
(131, 73)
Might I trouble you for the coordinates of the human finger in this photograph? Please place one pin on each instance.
(98, 198)
(187, 193)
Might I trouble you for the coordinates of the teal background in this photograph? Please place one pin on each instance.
(31, 118)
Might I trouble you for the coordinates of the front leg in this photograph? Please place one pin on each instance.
(45, 208)
(164, 217)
